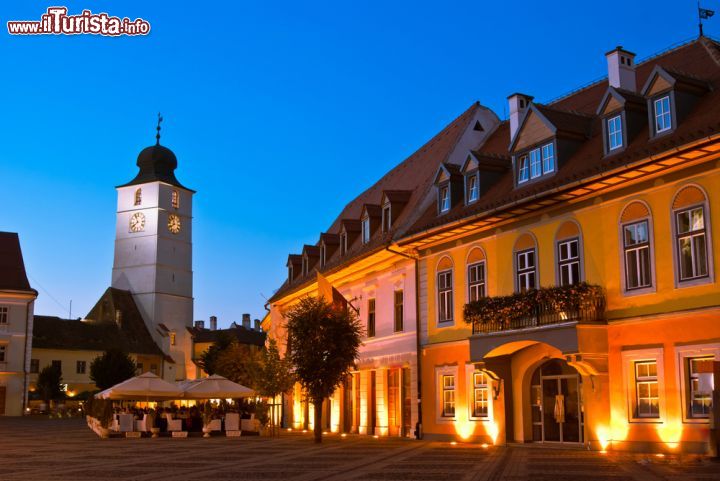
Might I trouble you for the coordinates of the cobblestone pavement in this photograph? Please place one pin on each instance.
(42, 449)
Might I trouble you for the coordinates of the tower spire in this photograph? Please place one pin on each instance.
(157, 136)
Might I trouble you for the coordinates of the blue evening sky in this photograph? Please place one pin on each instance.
(279, 113)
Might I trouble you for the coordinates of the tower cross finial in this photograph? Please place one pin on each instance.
(157, 136)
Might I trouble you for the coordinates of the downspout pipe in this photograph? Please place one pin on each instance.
(418, 345)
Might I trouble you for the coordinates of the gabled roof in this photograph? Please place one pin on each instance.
(699, 59)
(673, 79)
(99, 331)
(619, 97)
(396, 196)
(371, 210)
(446, 172)
(12, 267)
(329, 239)
(485, 162)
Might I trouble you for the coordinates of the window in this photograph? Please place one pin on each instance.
(398, 313)
(304, 266)
(172, 338)
(614, 133)
(371, 318)
(3, 350)
(444, 199)
(138, 197)
(524, 171)
(448, 395)
(343, 243)
(663, 119)
(535, 166)
(290, 273)
(525, 270)
(636, 241)
(445, 296)
(322, 255)
(476, 281)
(569, 262)
(481, 395)
(691, 243)
(154, 368)
(80, 367)
(699, 386)
(3, 314)
(386, 220)
(548, 158)
(139, 367)
(57, 365)
(34, 366)
(473, 188)
(175, 199)
(647, 398)
(366, 229)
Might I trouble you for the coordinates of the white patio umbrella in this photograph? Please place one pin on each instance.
(215, 387)
(146, 387)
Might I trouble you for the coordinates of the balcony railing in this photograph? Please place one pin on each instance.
(539, 307)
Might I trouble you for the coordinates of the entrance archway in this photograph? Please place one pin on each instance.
(556, 403)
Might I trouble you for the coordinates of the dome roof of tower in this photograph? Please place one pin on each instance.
(156, 163)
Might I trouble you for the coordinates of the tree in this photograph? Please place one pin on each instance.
(276, 375)
(113, 367)
(208, 358)
(240, 363)
(323, 343)
(48, 384)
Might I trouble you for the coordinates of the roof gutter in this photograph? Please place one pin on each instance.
(626, 166)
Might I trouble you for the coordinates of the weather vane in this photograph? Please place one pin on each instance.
(157, 136)
(703, 14)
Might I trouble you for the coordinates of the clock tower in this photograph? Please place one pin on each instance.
(153, 253)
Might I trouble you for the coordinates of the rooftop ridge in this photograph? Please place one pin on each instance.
(671, 48)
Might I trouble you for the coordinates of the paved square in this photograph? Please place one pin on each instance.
(42, 449)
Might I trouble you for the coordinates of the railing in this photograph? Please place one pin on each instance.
(536, 308)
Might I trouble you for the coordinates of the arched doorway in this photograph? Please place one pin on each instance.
(556, 403)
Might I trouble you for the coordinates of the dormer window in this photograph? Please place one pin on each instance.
(614, 132)
(305, 266)
(473, 188)
(175, 199)
(290, 273)
(366, 229)
(663, 117)
(386, 219)
(444, 198)
(343, 243)
(138, 197)
(536, 163)
(322, 255)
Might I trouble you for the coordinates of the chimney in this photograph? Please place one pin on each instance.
(213, 323)
(621, 69)
(246, 321)
(257, 325)
(518, 104)
(200, 324)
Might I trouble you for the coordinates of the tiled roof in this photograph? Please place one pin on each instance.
(12, 268)
(699, 59)
(99, 331)
(414, 175)
(243, 335)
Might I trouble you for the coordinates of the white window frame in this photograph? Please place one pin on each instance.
(447, 294)
(523, 274)
(535, 163)
(386, 218)
(705, 232)
(322, 255)
(365, 224)
(473, 187)
(290, 273)
(440, 373)
(682, 354)
(523, 169)
(305, 266)
(4, 315)
(566, 262)
(477, 284)
(662, 113)
(470, 371)
(629, 358)
(548, 158)
(623, 258)
(444, 198)
(614, 133)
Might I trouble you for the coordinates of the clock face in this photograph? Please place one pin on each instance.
(174, 224)
(137, 222)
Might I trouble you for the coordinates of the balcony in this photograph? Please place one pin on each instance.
(536, 308)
